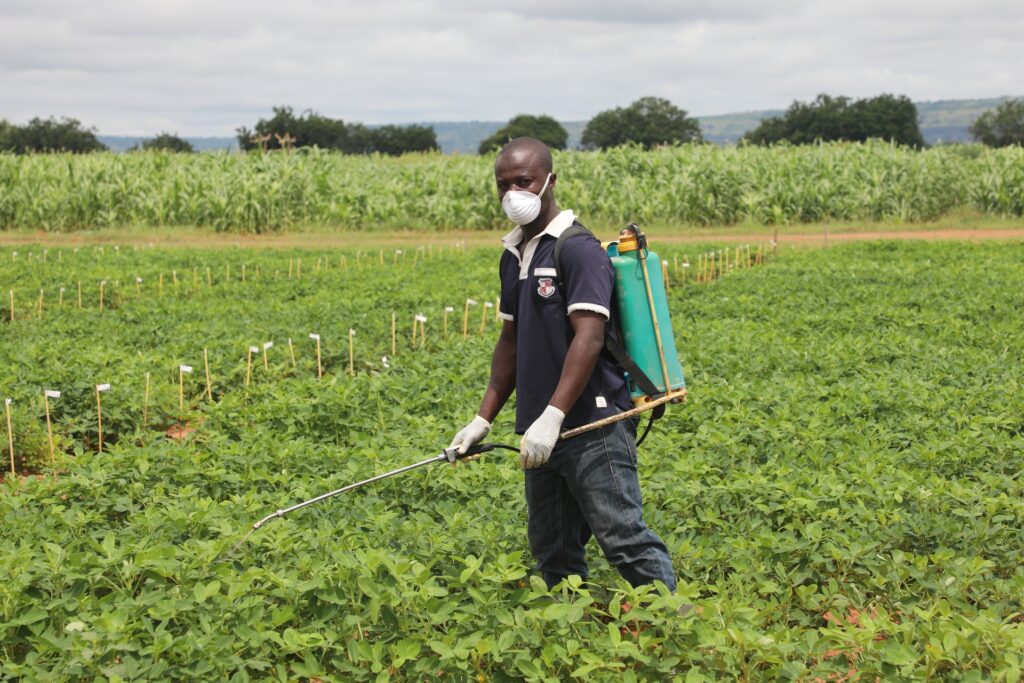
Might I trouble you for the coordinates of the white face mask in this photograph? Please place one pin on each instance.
(522, 207)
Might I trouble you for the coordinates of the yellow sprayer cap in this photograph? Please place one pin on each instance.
(627, 241)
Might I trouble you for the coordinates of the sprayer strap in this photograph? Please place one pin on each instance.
(611, 342)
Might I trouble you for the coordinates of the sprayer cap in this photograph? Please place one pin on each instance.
(627, 241)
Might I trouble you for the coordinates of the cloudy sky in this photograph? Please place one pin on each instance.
(204, 67)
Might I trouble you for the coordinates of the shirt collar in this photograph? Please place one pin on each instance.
(555, 228)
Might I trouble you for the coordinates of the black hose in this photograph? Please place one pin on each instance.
(647, 429)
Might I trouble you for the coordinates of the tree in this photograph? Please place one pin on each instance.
(1002, 126)
(397, 140)
(543, 127)
(49, 135)
(286, 130)
(649, 122)
(828, 118)
(165, 142)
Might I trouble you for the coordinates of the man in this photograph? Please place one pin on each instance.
(551, 352)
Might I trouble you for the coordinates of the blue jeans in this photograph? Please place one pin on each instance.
(590, 487)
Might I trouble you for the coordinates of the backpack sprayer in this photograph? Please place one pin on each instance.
(645, 350)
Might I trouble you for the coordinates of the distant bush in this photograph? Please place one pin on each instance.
(543, 127)
(49, 135)
(165, 142)
(1002, 126)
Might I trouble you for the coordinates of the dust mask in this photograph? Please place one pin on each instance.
(522, 207)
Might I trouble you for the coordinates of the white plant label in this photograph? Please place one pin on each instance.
(185, 368)
(50, 393)
(351, 332)
(268, 345)
(488, 304)
(384, 361)
(102, 387)
(314, 336)
(471, 302)
(449, 309)
(420, 318)
(139, 280)
(7, 402)
(254, 349)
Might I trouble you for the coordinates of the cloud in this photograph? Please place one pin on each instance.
(208, 67)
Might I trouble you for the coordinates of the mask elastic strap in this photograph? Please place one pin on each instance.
(545, 185)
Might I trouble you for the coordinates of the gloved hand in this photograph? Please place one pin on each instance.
(539, 440)
(471, 434)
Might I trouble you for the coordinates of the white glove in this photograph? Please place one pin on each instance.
(539, 440)
(471, 434)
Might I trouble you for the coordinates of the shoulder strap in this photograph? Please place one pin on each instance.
(611, 340)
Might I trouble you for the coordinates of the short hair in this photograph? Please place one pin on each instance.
(528, 145)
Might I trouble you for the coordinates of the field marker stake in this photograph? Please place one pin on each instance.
(10, 435)
(138, 286)
(99, 414)
(12, 305)
(182, 369)
(206, 364)
(243, 272)
(248, 364)
(394, 343)
(319, 368)
(209, 280)
(422, 320)
(47, 394)
(664, 275)
(382, 257)
(483, 315)
(145, 404)
(160, 285)
(465, 317)
(174, 276)
(291, 264)
(351, 353)
(266, 347)
(60, 301)
(415, 327)
(102, 283)
(291, 351)
(39, 307)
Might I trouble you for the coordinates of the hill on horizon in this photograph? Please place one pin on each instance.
(940, 120)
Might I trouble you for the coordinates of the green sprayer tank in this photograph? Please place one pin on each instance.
(636, 293)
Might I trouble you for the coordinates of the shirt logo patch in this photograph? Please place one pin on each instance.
(545, 287)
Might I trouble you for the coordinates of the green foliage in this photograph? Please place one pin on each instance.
(648, 122)
(1002, 126)
(49, 135)
(695, 184)
(841, 493)
(545, 128)
(164, 142)
(826, 119)
(285, 130)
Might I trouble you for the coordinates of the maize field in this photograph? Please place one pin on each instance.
(696, 184)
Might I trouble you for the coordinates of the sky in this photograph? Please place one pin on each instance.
(204, 68)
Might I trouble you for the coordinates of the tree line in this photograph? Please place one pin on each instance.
(648, 122)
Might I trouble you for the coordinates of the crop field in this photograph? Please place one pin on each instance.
(842, 494)
(693, 185)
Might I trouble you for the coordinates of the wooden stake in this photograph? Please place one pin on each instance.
(394, 342)
(291, 352)
(60, 302)
(319, 368)
(10, 435)
(664, 275)
(145, 404)
(104, 282)
(206, 364)
(99, 414)
(39, 306)
(291, 264)
(195, 277)
(465, 317)
(174, 277)
(12, 305)
(248, 364)
(79, 294)
(351, 353)
(160, 285)
(209, 280)
(483, 315)
(47, 394)
(266, 347)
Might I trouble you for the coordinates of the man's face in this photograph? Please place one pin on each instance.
(521, 169)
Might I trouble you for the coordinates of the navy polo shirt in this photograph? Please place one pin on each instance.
(530, 298)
